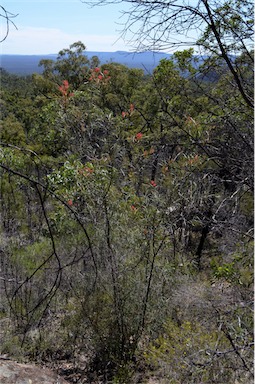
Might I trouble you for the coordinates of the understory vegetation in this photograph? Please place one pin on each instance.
(126, 219)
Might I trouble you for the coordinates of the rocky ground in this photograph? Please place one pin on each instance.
(12, 372)
(15, 373)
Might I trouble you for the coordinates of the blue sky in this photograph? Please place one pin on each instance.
(46, 27)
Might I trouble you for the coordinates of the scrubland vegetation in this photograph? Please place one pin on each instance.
(127, 218)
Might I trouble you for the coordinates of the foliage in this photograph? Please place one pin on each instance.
(126, 205)
(190, 352)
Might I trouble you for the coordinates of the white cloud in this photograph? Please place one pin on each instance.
(34, 41)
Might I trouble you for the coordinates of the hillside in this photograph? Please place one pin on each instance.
(127, 219)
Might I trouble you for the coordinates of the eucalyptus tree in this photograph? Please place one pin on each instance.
(224, 28)
(215, 123)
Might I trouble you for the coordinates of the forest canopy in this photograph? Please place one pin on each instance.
(126, 202)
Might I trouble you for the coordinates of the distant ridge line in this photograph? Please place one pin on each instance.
(28, 64)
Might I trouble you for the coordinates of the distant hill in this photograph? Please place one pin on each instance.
(28, 64)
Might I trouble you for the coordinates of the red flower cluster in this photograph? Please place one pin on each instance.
(64, 89)
(86, 171)
(130, 111)
(194, 160)
(70, 202)
(139, 136)
(133, 208)
(98, 76)
(152, 182)
(148, 152)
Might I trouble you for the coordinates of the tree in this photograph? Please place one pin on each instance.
(224, 28)
(71, 65)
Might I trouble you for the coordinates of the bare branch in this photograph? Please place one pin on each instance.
(171, 24)
(7, 16)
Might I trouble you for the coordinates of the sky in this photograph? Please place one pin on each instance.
(46, 27)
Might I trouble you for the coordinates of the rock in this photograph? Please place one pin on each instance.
(15, 373)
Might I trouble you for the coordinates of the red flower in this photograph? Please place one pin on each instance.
(194, 160)
(70, 202)
(97, 69)
(152, 182)
(138, 136)
(106, 72)
(65, 84)
(100, 77)
(62, 90)
(64, 87)
(88, 171)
